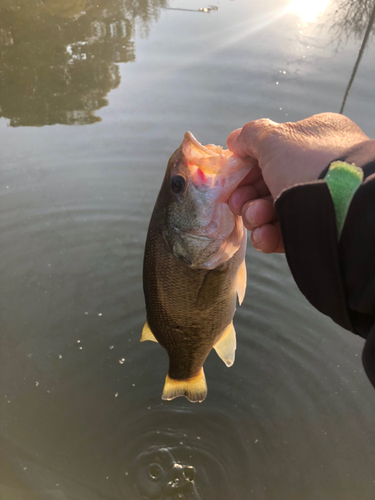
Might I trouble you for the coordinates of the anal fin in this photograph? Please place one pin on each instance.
(241, 282)
(194, 388)
(226, 345)
(147, 334)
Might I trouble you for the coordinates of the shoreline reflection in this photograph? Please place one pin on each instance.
(59, 60)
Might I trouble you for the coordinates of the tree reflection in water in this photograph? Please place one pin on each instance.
(350, 19)
(58, 59)
(353, 18)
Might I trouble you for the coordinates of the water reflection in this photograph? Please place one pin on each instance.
(369, 29)
(80, 410)
(350, 19)
(308, 11)
(159, 453)
(59, 58)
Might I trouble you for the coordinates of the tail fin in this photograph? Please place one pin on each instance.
(194, 388)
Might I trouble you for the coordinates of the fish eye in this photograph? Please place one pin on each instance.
(178, 184)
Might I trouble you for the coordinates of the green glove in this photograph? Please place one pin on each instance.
(343, 180)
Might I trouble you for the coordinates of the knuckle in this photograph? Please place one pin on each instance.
(259, 130)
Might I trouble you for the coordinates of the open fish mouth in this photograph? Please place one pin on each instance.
(214, 168)
(211, 159)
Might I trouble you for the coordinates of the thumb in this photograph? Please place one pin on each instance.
(246, 141)
(234, 144)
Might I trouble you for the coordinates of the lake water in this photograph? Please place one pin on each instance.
(94, 98)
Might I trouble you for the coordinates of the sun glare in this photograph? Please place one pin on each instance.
(308, 10)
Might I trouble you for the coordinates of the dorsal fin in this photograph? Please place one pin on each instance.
(147, 334)
(226, 346)
(241, 282)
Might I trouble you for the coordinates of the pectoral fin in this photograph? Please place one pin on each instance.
(226, 346)
(147, 334)
(194, 388)
(241, 282)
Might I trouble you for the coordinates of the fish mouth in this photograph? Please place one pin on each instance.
(210, 159)
(214, 168)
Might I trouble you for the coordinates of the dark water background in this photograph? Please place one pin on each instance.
(80, 409)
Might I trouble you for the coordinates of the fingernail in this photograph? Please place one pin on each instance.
(249, 215)
(256, 235)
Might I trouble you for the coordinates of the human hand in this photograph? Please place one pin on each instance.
(287, 154)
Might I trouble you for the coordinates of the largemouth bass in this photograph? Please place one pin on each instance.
(194, 264)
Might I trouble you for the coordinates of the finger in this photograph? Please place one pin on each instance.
(254, 175)
(262, 188)
(255, 178)
(267, 239)
(250, 188)
(233, 136)
(240, 197)
(258, 212)
(247, 193)
(246, 141)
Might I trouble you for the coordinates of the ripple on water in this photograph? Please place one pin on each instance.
(181, 454)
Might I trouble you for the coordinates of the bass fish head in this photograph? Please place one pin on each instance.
(198, 225)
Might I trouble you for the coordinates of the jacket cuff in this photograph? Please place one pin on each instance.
(308, 227)
(321, 267)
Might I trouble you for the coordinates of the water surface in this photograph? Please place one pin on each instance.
(94, 97)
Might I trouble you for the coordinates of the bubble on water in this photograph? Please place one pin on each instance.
(165, 456)
(160, 474)
(121, 361)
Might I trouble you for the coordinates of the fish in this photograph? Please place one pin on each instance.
(194, 264)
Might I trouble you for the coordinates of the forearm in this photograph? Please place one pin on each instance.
(336, 275)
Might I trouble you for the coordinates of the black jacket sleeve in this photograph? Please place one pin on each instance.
(337, 277)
